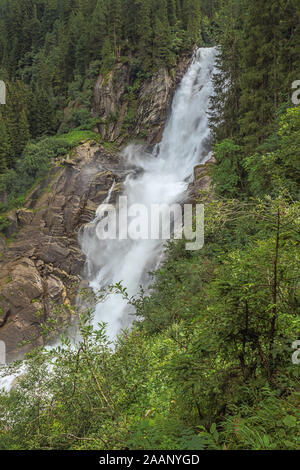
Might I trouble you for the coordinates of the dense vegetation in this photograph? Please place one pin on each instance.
(260, 46)
(51, 52)
(209, 365)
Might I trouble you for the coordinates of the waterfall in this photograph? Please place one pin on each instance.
(163, 179)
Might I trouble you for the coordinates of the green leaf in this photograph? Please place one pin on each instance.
(289, 421)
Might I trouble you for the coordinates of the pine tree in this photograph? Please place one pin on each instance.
(289, 47)
(23, 133)
(179, 10)
(107, 54)
(98, 29)
(225, 104)
(79, 42)
(172, 13)
(41, 115)
(192, 15)
(144, 32)
(115, 24)
(15, 116)
(129, 22)
(65, 9)
(259, 72)
(162, 38)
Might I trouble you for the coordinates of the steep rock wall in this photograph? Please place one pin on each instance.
(41, 264)
(112, 104)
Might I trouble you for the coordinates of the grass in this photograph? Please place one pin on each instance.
(73, 138)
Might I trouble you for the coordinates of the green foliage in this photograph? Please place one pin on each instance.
(208, 367)
(5, 148)
(278, 170)
(4, 223)
(228, 172)
(35, 164)
(257, 64)
(108, 56)
(209, 363)
(269, 424)
(14, 129)
(55, 68)
(108, 392)
(73, 138)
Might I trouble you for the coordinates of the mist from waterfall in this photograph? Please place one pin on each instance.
(163, 179)
(160, 177)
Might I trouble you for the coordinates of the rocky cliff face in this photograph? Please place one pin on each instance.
(40, 259)
(40, 266)
(112, 102)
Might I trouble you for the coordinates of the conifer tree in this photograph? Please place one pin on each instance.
(4, 146)
(162, 38)
(98, 29)
(23, 133)
(115, 23)
(16, 121)
(144, 32)
(172, 13)
(41, 113)
(107, 54)
(192, 9)
(289, 50)
(225, 104)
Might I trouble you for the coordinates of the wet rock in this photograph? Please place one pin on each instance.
(42, 264)
(56, 289)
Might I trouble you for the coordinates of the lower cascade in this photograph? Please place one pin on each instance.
(163, 177)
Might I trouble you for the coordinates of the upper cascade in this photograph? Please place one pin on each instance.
(163, 179)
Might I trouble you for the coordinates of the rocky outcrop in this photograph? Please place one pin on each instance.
(112, 103)
(202, 181)
(41, 261)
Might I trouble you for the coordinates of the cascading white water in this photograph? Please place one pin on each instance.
(163, 180)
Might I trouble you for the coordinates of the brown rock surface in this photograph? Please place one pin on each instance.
(110, 101)
(202, 180)
(42, 261)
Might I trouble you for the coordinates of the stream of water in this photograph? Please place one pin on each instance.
(163, 179)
